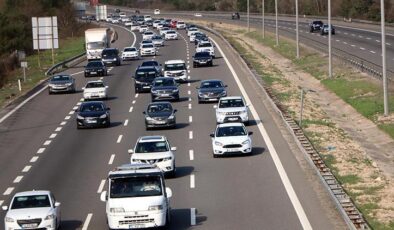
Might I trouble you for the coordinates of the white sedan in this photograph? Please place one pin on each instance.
(171, 35)
(95, 90)
(129, 53)
(164, 30)
(148, 35)
(148, 49)
(33, 210)
(143, 28)
(231, 138)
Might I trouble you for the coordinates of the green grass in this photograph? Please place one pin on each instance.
(68, 48)
(349, 179)
(388, 128)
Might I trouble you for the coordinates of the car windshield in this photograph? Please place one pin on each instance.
(94, 85)
(148, 33)
(207, 44)
(171, 32)
(227, 103)
(151, 147)
(36, 201)
(129, 50)
(94, 64)
(145, 74)
(136, 186)
(164, 82)
(165, 28)
(211, 84)
(92, 107)
(95, 45)
(156, 38)
(158, 108)
(147, 46)
(146, 42)
(202, 54)
(61, 78)
(181, 23)
(177, 66)
(230, 131)
(149, 63)
(110, 53)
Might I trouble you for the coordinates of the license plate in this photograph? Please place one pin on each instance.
(233, 119)
(165, 95)
(232, 150)
(29, 225)
(93, 72)
(137, 226)
(109, 62)
(212, 99)
(91, 121)
(146, 87)
(160, 122)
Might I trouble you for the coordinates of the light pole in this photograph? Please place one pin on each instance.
(385, 90)
(329, 40)
(262, 10)
(248, 11)
(297, 34)
(276, 22)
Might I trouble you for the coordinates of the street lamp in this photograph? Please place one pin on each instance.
(276, 22)
(248, 9)
(297, 34)
(262, 10)
(384, 75)
(303, 91)
(329, 41)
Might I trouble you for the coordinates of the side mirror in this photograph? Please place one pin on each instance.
(144, 112)
(250, 133)
(215, 106)
(130, 151)
(175, 110)
(103, 196)
(169, 192)
(57, 204)
(212, 135)
(108, 108)
(5, 208)
(173, 148)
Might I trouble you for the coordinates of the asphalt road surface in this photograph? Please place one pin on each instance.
(42, 149)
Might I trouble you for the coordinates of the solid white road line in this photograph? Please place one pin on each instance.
(271, 149)
(191, 154)
(119, 138)
(192, 181)
(87, 221)
(126, 122)
(34, 159)
(26, 168)
(18, 179)
(53, 135)
(190, 119)
(101, 186)
(40, 150)
(67, 117)
(190, 135)
(58, 129)
(111, 159)
(47, 142)
(8, 191)
(193, 216)
(131, 109)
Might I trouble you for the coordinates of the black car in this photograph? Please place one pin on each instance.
(95, 68)
(110, 56)
(165, 88)
(155, 64)
(93, 114)
(202, 59)
(211, 90)
(160, 114)
(144, 77)
(315, 26)
(61, 83)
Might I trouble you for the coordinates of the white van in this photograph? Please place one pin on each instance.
(176, 69)
(137, 197)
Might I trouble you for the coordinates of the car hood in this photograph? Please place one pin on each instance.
(231, 109)
(231, 140)
(160, 114)
(165, 88)
(29, 213)
(91, 114)
(134, 204)
(94, 68)
(211, 90)
(151, 156)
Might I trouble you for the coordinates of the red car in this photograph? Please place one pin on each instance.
(173, 24)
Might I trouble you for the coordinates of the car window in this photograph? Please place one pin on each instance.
(149, 63)
(147, 46)
(35, 201)
(95, 85)
(130, 49)
(211, 84)
(171, 32)
(145, 74)
(202, 54)
(61, 78)
(92, 108)
(230, 131)
(227, 103)
(136, 187)
(177, 66)
(156, 108)
(109, 53)
(151, 147)
(164, 82)
(207, 44)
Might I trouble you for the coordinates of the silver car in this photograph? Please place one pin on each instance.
(61, 83)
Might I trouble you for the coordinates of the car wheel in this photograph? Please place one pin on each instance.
(79, 127)
(86, 75)
(194, 66)
(333, 33)
(118, 63)
(247, 123)
(49, 92)
(106, 73)
(215, 156)
(211, 64)
(311, 30)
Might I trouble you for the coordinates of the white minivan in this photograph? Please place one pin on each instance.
(176, 69)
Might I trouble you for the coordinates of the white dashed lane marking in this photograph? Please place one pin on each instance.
(190, 119)
(131, 109)
(17, 179)
(190, 134)
(58, 129)
(75, 107)
(71, 112)
(133, 102)
(48, 142)
(87, 221)
(26, 168)
(40, 150)
(34, 159)
(53, 135)
(101, 186)
(119, 139)
(111, 159)
(192, 181)
(8, 191)
(79, 103)
(189, 92)
(372, 51)
(191, 154)
(67, 117)
(192, 216)
(1, 202)
(362, 48)
(136, 95)
(190, 106)
(126, 122)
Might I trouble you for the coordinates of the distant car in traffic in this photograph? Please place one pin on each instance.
(325, 29)
(160, 114)
(143, 28)
(180, 25)
(61, 83)
(202, 59)
(315, 26)
(152, 63)
(93, 114)
(171, 35)
(148, 50)
(206, 46)
(95, 90)
(164, 88)
(35, 209)
(158, 40)
(110, 56)
(148, 35)
(156, 12)
(144, 77)
(95, 68)
(176, 69)
(211, 90)
(129, 53)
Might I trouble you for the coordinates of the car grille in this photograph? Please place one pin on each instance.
(233, 113)
(176, 74)
(210, 94)
(151, 161)
(233, 146)
(138, 219)
(36, 221)
(164, 91)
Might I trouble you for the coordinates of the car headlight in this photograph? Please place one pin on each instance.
(167, 159)
(137, 82)
(171, 117)
(80, 117)
(103, 116)
(155, 207)
(116, 210)
(135, 160)
(200, 94)
(175, 90)
(8, 220)
(245, 142)
(223, 93)
(114, 59)
(69, 84)
(154, 91)
(222, 113)
(149, 118)
(218, 143)
(50, 217)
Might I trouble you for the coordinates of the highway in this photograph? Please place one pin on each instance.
(42, 149)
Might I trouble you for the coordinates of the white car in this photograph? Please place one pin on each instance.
(148, 35)
(156, 12)
(129, 53)
(155, 150)
(115, 20)
(171, 35)
(206, 46)
(191, 30)
(143, 28)
(159, 26)
(135, 26)
(197, 15)
(143, 42)
(148, 49)
(176, 69)
(180, 25)
(155, 23)
(192, 36)
(163, 30)
(137, 197)
(125, 19)
(32, 210)
(108, 19)
(158, 40)
(128, 23)
(147, 18)
(95, 90)
(232, 109)
(122, 14)
(231, 138)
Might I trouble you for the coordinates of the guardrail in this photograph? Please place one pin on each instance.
(63, 64)
(352, 216)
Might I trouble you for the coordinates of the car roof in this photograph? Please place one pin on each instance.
(94, 81)
(144, 139)
(92, 103)
(230, 124)
(211, 80)
(150, 61)
(232, 97)
(33, 192)
(146, 68)
(134, 169)
(174, 61)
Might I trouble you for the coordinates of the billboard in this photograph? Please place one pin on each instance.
(101, 12)
(45, 33)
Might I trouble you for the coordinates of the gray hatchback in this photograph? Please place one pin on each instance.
(61, 83)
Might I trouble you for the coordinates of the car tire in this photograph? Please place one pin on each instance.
(106, 73)
(333, 33)
(118, 63)
(311, 30)
(210, 64)
(215, 156)
(49, 92)
(86, 75)
(247, 123)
